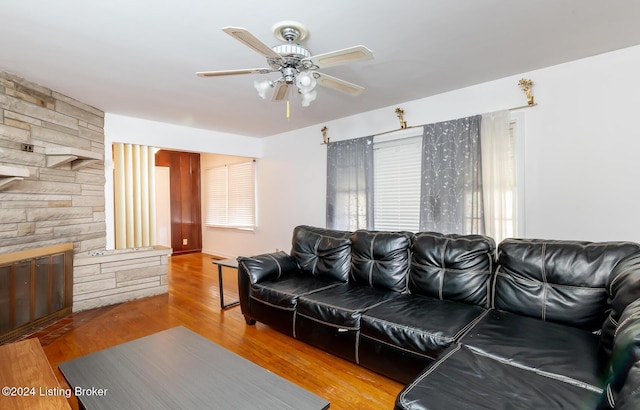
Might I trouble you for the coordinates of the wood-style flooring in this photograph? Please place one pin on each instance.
(193, 301)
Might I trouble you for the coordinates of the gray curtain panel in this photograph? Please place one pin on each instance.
(451, 192)
(350, 184)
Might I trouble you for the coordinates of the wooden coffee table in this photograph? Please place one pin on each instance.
(27, 380)
(178, 368)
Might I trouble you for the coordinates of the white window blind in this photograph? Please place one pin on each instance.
(396, 184)
(231, 199)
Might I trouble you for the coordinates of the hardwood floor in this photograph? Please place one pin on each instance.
(193, 302)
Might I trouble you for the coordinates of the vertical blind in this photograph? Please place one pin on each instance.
(231, 199)
(134, 195)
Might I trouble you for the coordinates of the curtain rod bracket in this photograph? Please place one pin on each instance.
(525, 85)
(325, 139)
(400, 114)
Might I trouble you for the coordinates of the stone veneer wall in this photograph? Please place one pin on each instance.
(118, 276)
(54, 205)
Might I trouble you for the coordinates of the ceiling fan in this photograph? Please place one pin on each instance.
(295, 63)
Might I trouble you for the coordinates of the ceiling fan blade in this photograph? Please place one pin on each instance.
(280, 92)
(347, 55)
(249, 40)
(234, 72)
(338, 84)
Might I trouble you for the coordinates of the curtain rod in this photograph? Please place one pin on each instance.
(524, 84)
(418, 126)
(522, 106)
(399, 129)
(326, 140)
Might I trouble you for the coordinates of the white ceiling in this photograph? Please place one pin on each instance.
(139, 57)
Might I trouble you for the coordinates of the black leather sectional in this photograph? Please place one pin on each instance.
(535, 324)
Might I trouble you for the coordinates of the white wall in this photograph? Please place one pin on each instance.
(581, 150)
(291, 187)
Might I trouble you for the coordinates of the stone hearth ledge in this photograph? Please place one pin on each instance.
(110, 277)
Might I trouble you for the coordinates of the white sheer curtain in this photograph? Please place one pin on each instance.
(498, 175)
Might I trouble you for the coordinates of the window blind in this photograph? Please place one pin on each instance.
(396, 186)
(231, 199)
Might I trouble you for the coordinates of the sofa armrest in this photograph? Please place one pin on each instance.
(624, 381)
(266, 266)
(623, 287)
(257, 269)
(628, 398)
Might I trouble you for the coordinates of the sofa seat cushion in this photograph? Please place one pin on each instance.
(464, 379)
(548, 348)
(342, 306)
(284, 292)
(419, 324)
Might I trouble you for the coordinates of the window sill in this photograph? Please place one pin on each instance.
(234, 228)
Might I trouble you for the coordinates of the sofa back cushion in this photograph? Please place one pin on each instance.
(380, 259)
(323, 252)
(453, 267)
(560, 281)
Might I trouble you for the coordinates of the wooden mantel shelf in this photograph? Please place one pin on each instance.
(10, 174)
(78, 158)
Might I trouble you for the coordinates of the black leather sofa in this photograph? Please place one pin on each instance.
(534, 324)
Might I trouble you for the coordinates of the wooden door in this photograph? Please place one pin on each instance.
(186, 219)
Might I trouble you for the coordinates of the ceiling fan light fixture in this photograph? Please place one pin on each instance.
(306, 82)
(262, 87)
(308, 97)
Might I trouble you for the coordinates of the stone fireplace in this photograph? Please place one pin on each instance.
(52, 178)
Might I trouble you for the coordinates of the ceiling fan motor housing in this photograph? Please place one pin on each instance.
(292, 54)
